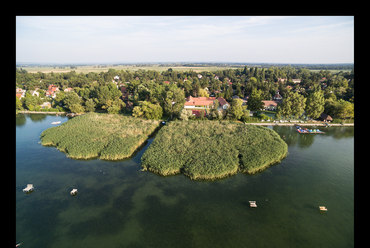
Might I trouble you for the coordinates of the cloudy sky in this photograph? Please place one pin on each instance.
(250, 39)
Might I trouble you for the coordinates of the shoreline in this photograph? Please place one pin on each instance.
(39, 112)
(253, 123)
(300, 124)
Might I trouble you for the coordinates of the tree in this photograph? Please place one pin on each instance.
(346, 110)
(255, 101)
(253, 80)
(185, 114)
(90, 105)
(103, 95)
(148, 110)
(18, 103)
(77, 108)
(245, 71)
(115, 92)
(237, 109)
(71, 98)
(137, 112)
(298, 104)
(113, 107)
(315, 104)
(31, 101)
(170, 98)
(332, 107)
(203, 93)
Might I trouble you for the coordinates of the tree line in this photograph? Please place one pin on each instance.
(168, 89)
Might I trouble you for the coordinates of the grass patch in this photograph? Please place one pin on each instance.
(212, 150)
(104, 136)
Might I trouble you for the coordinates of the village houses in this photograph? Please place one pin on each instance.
(204, 102)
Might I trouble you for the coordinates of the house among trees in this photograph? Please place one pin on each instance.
(68, 89)
(325, 117)
(204, 102)
(277, 96)
(197, 113)
(34, 93)
(51, 92)
(271, 105)
(296, 81)
(198, 102)
(223, 103)
(20, 93)
(46, 105)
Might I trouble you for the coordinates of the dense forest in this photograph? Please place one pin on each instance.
(167, 89)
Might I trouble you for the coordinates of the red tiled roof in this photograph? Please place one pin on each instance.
(222, 101)
(203, 101)
(197, 113)
(270, 103)
(18, 95)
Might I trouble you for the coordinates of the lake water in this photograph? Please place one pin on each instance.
(118, 205)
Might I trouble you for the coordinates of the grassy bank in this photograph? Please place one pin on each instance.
(104, 136)
(212, 150)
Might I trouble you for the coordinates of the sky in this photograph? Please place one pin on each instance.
(140, 39)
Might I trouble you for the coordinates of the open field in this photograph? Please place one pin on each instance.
(90, 68)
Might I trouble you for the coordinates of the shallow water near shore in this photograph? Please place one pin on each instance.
(118, 205)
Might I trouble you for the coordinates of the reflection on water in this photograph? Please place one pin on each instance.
(305, 140)
(120, 206)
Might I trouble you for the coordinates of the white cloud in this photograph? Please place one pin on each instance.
(205, 38)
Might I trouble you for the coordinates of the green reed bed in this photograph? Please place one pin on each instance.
(104, 136)
(212, 150)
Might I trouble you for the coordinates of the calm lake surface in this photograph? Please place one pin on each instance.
(117, 205)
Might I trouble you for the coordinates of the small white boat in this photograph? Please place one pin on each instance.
(322, 208)
(29, 188)
(56, 122)
(252, 204)
(74, 192)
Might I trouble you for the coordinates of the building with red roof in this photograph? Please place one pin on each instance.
(204, 102)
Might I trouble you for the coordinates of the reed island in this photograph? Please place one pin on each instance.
(104, 136)
(212, 150)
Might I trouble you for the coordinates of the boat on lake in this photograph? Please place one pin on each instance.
(322, 209)
(252, 204)
(56, 122)
(305, 130)
(29, 188)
